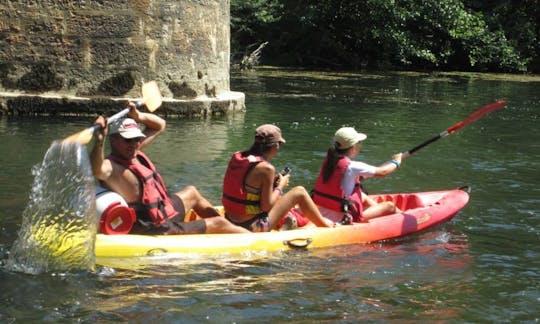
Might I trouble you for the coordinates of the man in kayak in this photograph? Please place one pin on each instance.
(338, 193)
(130, 173)
(252, 192)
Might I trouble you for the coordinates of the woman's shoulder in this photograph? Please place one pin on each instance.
(265, 166)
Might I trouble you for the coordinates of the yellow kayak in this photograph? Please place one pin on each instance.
(420, 211)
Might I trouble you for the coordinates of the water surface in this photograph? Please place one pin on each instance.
(481, 266)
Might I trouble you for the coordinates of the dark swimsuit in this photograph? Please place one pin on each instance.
(258, 223)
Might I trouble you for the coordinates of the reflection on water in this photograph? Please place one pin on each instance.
(196, 140)
(323, 284)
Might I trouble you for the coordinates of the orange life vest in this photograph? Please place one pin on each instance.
(330, 194)
(236, 199)
(155, 204)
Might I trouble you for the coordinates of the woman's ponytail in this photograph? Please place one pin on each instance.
(332, 157)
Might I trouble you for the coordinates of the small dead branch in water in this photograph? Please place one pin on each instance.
(251, 60)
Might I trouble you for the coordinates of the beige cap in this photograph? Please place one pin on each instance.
(347, 137)
(268, 134)
(126, 127)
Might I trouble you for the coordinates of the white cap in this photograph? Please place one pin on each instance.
(347, 137)
(126, 127)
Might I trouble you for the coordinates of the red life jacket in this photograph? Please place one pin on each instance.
(331, 195)
(155, 203)
(235, 198)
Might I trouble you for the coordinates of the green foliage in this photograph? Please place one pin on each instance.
(422, 34)
(249, 19)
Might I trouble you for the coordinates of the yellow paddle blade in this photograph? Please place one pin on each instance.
(151, 95)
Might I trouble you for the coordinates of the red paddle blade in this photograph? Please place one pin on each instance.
(476, 115)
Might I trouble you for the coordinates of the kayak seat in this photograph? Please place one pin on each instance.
(403, 201)
(408, 201)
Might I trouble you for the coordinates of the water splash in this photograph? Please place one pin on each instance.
(59, 224)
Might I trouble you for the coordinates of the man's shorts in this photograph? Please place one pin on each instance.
(172, 226)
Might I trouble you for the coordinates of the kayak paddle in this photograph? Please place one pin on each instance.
(151, 97)
(469, 120)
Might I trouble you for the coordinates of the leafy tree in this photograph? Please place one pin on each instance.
(249, 20)
(424, 34)
(520, 22)
(447, 35)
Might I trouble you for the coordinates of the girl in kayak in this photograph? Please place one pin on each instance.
(338, 193)
(253, 195)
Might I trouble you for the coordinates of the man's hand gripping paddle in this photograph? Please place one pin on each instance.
(151, 97)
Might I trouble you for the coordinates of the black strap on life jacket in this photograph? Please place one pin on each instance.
(347, 218)
(241, 201)
(344, 201)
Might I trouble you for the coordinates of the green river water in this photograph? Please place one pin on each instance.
(483, 266)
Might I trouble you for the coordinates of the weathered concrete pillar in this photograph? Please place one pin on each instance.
(64, 56)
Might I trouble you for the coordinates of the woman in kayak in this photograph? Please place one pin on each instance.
(338, 193)
(253, 195)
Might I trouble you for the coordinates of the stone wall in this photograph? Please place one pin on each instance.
(70, 53)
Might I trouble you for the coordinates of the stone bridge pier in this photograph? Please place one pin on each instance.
(84, 56)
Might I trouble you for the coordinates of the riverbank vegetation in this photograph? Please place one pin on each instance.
(426, 35)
